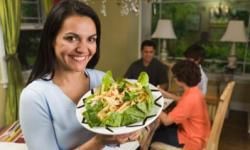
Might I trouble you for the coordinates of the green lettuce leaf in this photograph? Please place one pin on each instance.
(132, 115)
(113, 120)
(143, 107)
(129, 96)
(150, 99)
(143, 79)
(92, 111)
(92, 119)
(121, 85)
(107, 81)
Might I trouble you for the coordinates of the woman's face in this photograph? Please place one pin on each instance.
(75, 43)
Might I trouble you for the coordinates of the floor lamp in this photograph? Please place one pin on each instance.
(164, 30)
(235, 33)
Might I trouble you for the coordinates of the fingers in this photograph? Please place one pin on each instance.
(122, 139)
(162, 91)
(134, 136)
(107, 139)
(128, 137)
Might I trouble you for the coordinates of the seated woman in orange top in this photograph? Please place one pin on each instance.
(187, 125)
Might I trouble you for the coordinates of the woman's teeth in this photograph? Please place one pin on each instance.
(79, 58)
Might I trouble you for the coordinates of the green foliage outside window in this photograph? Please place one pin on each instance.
(182, 14)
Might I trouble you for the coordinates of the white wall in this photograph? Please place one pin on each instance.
(3, 72)
(146, 11)
(3, 77)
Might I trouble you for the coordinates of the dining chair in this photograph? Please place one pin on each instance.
(214, 137)
(212, 105)
(213, 97)
(225, 98)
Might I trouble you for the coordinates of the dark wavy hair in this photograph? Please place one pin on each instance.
(148, 43)
(188, 72)
(45, 60)
(195, 52)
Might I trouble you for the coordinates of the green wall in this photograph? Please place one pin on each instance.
(119, 40)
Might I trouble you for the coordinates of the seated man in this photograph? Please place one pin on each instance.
(156, 70)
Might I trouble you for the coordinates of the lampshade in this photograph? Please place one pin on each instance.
(235, 32)
(164, 30)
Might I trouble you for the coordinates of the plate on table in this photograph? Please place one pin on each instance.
(155, 112)
(167, 102)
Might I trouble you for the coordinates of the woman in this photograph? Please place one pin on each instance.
(69, 45)
(187, 125)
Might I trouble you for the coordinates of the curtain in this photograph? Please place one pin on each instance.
(47, 4)
(10, 18)
(55, 1)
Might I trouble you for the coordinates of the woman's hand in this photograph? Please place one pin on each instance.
(106, 139)
(98, 142)
(123, 138)
(116, 139)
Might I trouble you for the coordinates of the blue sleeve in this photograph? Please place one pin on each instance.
(95, 77)
(36, 121)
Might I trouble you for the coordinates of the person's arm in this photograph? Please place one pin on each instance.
(168, 94)
(165, 119)
(36, 122)
(94, 143)
(99, 141)
(164, 86)
(37, 126)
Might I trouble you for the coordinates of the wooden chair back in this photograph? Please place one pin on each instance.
(212, 104)
(212, 97)
(218, 122)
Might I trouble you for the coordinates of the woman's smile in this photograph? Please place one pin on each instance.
(75, 44)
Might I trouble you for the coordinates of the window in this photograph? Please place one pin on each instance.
(192, 24)
(31, 25)
(32, 14)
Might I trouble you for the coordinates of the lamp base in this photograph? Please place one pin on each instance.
(232, 61)
(163, 56)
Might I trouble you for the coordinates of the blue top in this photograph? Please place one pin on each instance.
(47, 115)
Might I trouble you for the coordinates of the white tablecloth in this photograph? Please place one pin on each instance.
(12, 146)
(126, 146)
(19, 146)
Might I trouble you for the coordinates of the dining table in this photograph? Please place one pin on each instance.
(147, 133)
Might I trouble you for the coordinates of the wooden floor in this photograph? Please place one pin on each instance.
(234, 134)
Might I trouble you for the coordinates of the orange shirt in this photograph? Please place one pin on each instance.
(192, 117)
